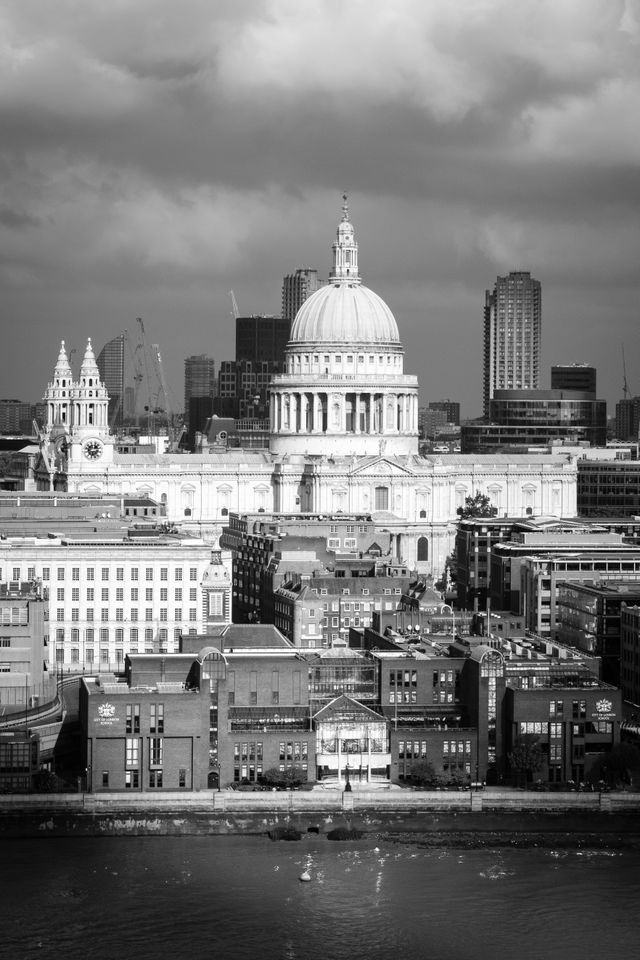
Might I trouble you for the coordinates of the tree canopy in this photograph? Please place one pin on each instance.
(479, 505)
(618, 765)
(422, 772)
(526, 758)
(291, 777)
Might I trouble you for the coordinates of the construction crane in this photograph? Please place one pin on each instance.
(234, 305)
(157, 357)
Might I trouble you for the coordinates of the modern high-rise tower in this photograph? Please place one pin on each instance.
(296, 287)
(111, 366)
(200, 388)
(512, 335)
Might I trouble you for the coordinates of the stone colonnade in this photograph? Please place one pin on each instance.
(357, 412)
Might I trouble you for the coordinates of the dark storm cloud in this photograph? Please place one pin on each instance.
(16, 220)
(173, 152)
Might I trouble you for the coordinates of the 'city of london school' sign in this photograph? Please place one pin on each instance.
(106, 714)
(604, 710)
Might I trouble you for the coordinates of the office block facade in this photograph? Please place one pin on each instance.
(200, 388)
(574, 376)
(296, 287)
(110, 362)
(608, 488)
(512, 335)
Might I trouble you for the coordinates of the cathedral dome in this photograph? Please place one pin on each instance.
(344, 313)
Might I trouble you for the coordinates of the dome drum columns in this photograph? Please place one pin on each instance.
(305, 412)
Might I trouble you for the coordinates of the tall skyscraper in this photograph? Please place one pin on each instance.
(512, 335)
(200, 388)
(296, 287)
(111, 366)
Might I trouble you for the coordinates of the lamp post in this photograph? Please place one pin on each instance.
(347, 771)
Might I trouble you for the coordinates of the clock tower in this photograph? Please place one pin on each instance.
(76, 438)
(90, 443)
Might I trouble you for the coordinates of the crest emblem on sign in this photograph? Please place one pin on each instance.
(106, 711)
(604, 706)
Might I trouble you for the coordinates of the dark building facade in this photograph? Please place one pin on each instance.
(628, 418)
(518, 418)
(450, 408)
(608, 488)
(149, 732)
(241, 701)
(588, 617)
(574, 376)
(630, 652)
(16, 417)
(110, 362)
(260, 338)
(243, 388)
(200, 388)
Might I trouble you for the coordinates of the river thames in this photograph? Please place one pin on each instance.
(241, 897)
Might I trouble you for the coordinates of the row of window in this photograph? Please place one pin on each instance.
(106, 614)
(119, 594)
(156, 718)
(132, 752)
(156, 779)
(296, 361)
(555, 730)
(15, 616)
(106, 573)
(104, 634)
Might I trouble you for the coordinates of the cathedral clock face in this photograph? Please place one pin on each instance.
(93, 449)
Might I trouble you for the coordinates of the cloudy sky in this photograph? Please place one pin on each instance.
(155, 155)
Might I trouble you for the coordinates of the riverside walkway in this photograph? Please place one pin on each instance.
(321, 799)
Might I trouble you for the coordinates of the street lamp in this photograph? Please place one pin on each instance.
(347, 771)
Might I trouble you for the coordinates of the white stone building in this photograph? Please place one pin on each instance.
(344, 438)
(110, 595)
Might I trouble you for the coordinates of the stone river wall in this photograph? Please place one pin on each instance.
(491, 817)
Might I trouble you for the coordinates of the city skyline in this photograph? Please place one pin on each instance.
(494, 139)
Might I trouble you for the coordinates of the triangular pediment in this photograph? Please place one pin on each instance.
(347, 710)
(382, 467)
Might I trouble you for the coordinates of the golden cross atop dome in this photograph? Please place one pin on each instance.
(345, 207)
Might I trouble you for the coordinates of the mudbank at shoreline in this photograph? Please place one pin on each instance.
(453, 829)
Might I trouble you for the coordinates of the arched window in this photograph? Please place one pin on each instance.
(381, 498)
(423, 514)
(423, 549)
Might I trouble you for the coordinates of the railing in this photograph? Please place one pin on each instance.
(332, 798)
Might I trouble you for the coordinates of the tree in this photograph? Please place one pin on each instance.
(617, 766)
(292, 777)
(45, 782)
(422, 772)
(479, 505)
(526, 758)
